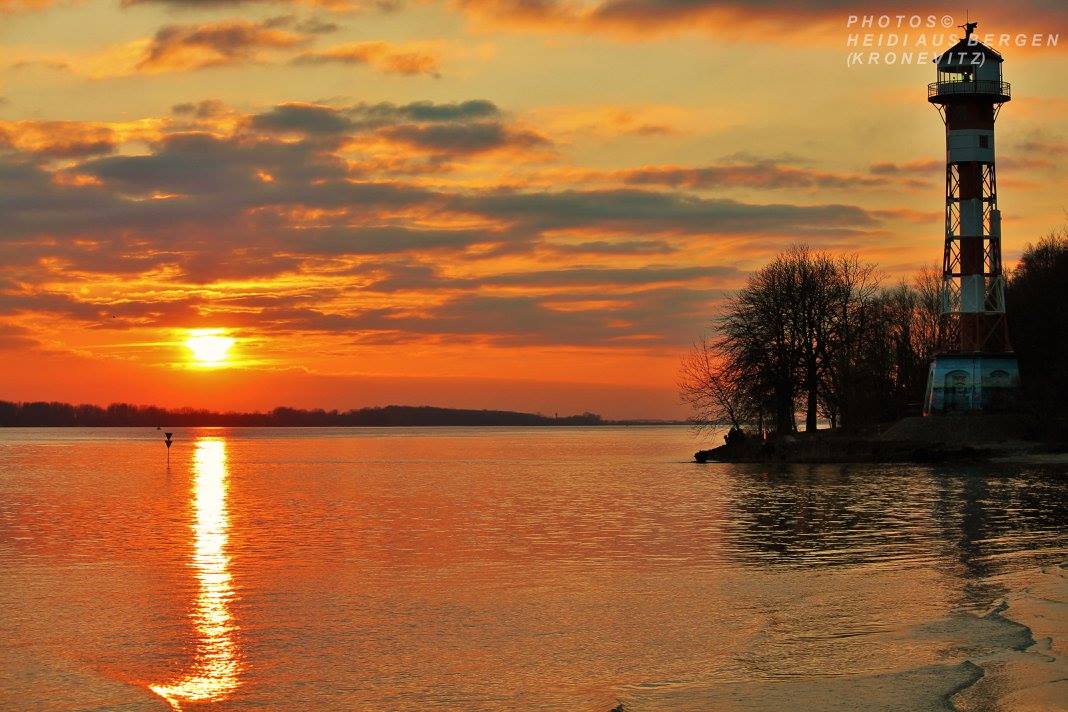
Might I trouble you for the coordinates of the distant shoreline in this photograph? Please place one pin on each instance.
(42, 414)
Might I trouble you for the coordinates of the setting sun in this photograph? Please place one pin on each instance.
(209, 347)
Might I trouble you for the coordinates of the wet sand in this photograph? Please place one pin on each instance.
(1033, 678)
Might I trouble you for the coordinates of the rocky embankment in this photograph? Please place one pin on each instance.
(933, 439)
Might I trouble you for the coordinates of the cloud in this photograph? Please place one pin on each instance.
(762, 21)
(58, 139)
(14, 337)
(179, 47)
(206, 109)
(763, 173)
(279, 220)
(386, 57)
(307, 25)
(1036, 148)
(613, 247)
(197, 163)
(321, 119)
(333, 5)
(925, 167)
(385, 239)
(438, 129)
(660, 316)
(426, 111)
(301, 200)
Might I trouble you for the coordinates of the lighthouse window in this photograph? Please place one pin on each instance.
(984, 142)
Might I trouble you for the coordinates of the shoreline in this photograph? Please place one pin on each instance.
(839, 450)
(1031, 677)
(970, 438)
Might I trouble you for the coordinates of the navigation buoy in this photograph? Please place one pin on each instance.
(168, 443)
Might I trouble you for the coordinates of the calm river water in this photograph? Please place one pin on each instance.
(514, 569)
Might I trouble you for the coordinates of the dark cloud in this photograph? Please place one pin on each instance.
(303, 118)
(613, 247)
(632, 210)
(251, 170)
(422, 277)
(450, 125)
(426, 112)
(438, 129)
(118, 314)
(465, 138)
(602, 277)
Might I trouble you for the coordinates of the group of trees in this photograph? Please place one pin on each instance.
(1036, 299)
(818, 336)
(814, 335)
(34, 414)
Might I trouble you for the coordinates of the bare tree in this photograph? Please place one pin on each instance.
(760, 339)
(708, 384)
(928, 287)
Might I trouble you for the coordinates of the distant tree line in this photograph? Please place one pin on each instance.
(813, 336)
(42, 414)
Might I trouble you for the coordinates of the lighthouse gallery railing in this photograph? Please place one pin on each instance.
(985, 86)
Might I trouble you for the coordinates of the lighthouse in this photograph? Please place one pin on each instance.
(974, 368)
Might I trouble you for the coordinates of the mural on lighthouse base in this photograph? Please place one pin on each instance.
(974, 368)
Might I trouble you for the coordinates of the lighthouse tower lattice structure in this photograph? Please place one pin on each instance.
(974, 368)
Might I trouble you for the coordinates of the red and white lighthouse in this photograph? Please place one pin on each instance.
(974, 368)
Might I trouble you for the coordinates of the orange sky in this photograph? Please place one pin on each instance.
(478, 203)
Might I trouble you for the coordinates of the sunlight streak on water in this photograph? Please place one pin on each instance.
(215, 671)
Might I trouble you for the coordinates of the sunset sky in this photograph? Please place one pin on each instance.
(524, 204)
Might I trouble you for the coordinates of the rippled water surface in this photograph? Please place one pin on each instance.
(499, 569)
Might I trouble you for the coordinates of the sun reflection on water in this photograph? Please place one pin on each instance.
(214, 673)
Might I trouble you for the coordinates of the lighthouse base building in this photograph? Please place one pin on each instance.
(960, 383)
(974, 368)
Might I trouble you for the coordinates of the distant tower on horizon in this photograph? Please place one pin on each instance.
(974, 368)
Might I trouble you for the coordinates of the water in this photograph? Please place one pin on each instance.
(505, 569)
